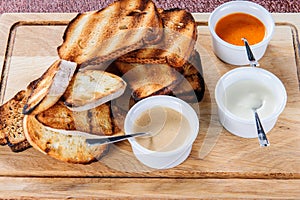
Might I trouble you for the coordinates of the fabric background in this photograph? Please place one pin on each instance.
(6, 6)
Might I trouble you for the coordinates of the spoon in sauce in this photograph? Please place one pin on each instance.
(251, 58)
(151, 126)
(98, 140)
(262, 138)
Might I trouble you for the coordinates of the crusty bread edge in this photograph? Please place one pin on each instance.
(27, 136)
(64, 132)
(100, 101)
(58, 87)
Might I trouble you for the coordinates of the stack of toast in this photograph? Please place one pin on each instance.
(133, 46)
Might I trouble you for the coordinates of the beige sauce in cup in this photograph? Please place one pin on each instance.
(171, 129)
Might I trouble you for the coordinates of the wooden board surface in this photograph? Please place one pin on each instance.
(28, 46)
(135, 188)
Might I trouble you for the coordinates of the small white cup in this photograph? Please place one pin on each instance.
(162, 159)
(243, 127)
(233, 54)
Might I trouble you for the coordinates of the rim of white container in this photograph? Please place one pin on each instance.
(154, 100)
(273, 116)
(250, 5)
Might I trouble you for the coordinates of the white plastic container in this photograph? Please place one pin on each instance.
(233, 54)
(162, 159)
(243, 127)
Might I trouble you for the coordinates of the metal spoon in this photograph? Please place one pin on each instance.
(251, 58)
(146, 131)
(98, 140)
(262, 138)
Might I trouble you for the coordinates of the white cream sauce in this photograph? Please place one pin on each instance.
(241, 97)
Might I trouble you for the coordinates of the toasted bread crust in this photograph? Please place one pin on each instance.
(192, 88)
(128, 24)
(91, 88)
(49, 87)
(69, 148)
(11, 121)
(149, 79)
(94, 121)
(11, 117)
(21, 146)
(180, 35)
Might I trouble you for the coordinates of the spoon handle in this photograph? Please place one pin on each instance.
(111, 139)
(251, 58)
(262, 138)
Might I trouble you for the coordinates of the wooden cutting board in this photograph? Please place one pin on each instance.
(28, 45)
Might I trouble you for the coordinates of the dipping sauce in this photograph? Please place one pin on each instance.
(233, 27)
(240, 97)
(169, 128)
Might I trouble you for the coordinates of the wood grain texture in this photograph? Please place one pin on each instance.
(216, 153)
(138, 188)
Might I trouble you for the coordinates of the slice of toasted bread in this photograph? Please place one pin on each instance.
(61, 144)
(11, 121)
(118, 116)
(149, 79)
(94, 121)
(98, 36)
(192, 87)
(50, 87)
(180, 35)
(91, 88)
(59, 116)
(11, 127)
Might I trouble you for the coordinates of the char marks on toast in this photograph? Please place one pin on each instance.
(50, 87)
(55, 143)
(192, 88)
(149, 79)
(94, 121)
(99, 36)
(180, 35)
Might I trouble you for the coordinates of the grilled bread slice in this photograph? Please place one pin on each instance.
(123, 26)
(180, 35)
(11, 121)
(61, 144)
(149, 79)
(91, 88)
(50, 87)
(146, 80)
(96, 121)
(192, 87)
(61, 133)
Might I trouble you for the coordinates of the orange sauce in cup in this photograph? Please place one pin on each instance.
(233, 27)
